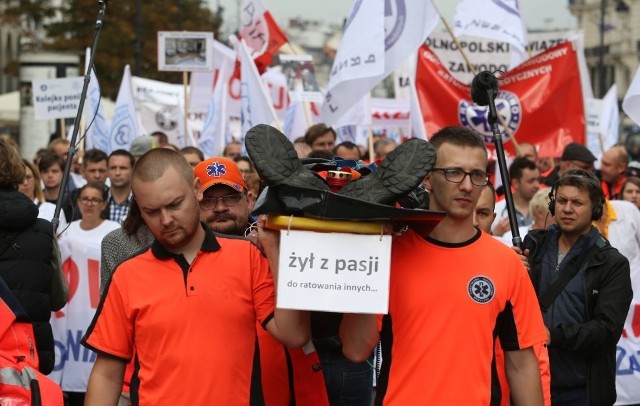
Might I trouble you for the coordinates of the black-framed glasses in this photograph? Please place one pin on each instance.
(457, 175)
(228, 200)
(90, 200)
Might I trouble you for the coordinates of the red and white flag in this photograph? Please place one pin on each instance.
(540, 100)
(261, 33)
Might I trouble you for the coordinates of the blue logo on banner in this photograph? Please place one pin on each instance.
(123, 127)
(474, 117)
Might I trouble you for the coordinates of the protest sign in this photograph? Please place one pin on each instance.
(301, 78)
(185, 51)
(335, 272)
(56, 98)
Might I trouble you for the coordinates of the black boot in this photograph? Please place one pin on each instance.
(399, 173)
(276, 160)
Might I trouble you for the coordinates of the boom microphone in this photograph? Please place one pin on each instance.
(480, 85)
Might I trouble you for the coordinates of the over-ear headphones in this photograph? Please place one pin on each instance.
(592, 183)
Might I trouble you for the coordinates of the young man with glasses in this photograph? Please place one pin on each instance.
(451, 293)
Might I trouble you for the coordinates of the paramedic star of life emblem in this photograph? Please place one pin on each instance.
(481, 289)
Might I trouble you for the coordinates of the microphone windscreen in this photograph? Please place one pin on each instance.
(482, 82)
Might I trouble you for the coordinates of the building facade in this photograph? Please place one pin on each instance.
(612, 41)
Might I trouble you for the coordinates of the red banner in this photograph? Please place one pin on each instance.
(540, 100)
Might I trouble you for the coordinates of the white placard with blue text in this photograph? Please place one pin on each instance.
(56, 98)
(334, 272)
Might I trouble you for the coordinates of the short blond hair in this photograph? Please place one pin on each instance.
(152, 165)
(539, 201)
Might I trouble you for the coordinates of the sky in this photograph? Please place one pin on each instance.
(538, 14)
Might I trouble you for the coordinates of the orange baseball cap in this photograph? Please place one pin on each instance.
(219, 171)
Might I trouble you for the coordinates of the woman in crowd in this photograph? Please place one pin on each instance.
(29, 256)
(31, 188)
(631, 190)
(80, 246)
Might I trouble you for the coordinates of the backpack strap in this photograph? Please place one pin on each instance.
(546, 300)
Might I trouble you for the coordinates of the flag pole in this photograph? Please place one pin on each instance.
(601, 142)
(370, 140)
(474, 72)
(63, 129)
(55, 221)
(185, 81)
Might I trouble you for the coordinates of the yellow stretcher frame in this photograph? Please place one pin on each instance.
(276, 222)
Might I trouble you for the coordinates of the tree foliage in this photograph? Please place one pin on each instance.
(71, 27)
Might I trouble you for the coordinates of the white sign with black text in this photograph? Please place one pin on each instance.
(56, 98)
(334, 272)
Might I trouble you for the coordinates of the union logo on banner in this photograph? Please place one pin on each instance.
(123, 126)
(395, 15)
(476, 117)
(540, 101)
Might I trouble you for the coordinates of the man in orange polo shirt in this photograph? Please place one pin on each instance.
(287, 376)
(187, 305)
(448, 300)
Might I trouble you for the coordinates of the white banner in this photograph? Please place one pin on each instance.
(317, 272)
(487, 54)
(628, 359)
(56, 98)
(497, 19)
(202, 83)
(159, 106)
(81, 266)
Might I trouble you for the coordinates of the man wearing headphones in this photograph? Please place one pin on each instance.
(584, 290)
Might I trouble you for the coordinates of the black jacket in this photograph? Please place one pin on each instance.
(27, 257)
(608, 294)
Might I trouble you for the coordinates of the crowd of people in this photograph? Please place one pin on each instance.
(161, 271)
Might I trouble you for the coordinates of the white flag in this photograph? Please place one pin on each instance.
(379, 35)
(202, 82)
(497, 19)
(94, 116)
(212, 138)
(358, 114)
(295, 121)
(416, 120)
(631, 102)
(610, 118)
(257, 107)
(124, 126)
